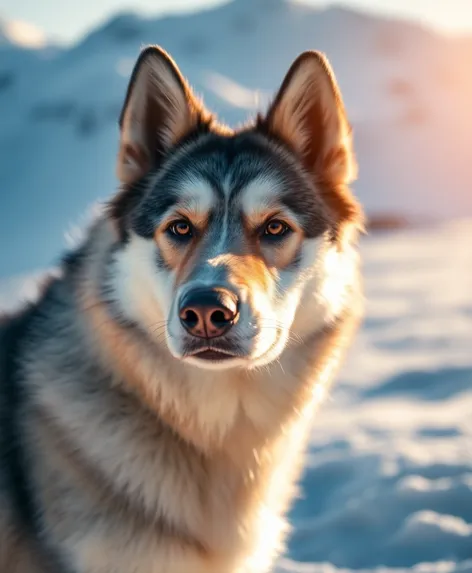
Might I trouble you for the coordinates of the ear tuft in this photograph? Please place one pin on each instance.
(159, 109)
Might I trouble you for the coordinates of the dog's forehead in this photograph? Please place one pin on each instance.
(196, 193)
(223, 176)
(260, 193)
(245, 174)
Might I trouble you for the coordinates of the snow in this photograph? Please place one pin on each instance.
(387, 486)
(22, 34)
(388, 479)
(407, 91)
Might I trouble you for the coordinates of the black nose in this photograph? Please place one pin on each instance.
(208, 312)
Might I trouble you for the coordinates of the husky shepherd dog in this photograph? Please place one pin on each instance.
(157, 396)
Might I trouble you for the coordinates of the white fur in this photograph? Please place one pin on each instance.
(259, 195)
(143, 461)
(305, 299)
(144, 292)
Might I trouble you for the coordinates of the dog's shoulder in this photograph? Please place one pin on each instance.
(13, 328)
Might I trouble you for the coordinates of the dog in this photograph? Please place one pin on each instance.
(157, 396)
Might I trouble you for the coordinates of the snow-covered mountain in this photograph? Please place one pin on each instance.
(388, 480)
(408, 93)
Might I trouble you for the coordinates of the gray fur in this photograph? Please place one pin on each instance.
(119, 453)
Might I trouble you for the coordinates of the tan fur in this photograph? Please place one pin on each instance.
(16, 552)
(248, 458)
(283, 256)
(309, 114)
(179, 259)
(242, 475)
(250, 266)
(141, 461)
(309, 99)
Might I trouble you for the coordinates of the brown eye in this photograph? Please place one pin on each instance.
(275, 228)
(181, 229)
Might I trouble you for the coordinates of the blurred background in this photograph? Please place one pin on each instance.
(388, 480)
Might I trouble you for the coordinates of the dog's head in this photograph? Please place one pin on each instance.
(232, 244)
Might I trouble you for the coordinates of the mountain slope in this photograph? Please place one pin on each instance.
(406, 89)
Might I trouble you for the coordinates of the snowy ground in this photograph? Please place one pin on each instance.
(388, 482)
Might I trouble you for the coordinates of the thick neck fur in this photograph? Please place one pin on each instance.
(229, 443)
(205, 408)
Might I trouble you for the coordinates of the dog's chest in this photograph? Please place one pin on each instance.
(120, 546)
(223, 524)
(185, 512)
(124, 551)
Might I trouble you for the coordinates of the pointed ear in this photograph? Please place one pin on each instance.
(308, 113)
(159, 109)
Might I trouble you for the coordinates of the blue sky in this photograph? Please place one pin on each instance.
(66, 21)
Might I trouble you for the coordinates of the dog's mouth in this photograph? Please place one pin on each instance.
(213, 355)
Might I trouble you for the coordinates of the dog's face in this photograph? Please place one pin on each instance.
(233, 244)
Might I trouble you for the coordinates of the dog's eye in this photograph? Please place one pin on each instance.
(275, 228)
(181, 229)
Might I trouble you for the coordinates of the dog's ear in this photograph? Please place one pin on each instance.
(308, 113)
(159, 109)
